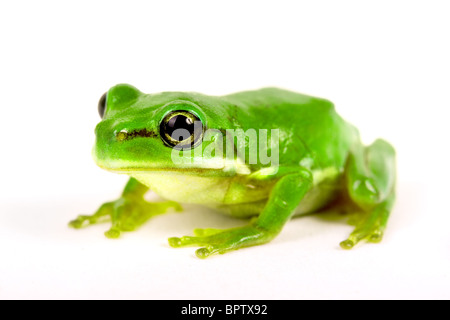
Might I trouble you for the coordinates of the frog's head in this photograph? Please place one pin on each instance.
(142, 132)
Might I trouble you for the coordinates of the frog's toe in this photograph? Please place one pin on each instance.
(113, 233)
(205, 237)
(102, 215)
(347, 244)
(76, 224)
(202, 237)
(176, 242)
(373, 236)
(207, 251)
(376, 236)
(203, 253)
(80, 222)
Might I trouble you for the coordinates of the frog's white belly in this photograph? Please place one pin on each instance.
(227, 192)
(202, 190)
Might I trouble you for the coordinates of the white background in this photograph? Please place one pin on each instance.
(385, 65)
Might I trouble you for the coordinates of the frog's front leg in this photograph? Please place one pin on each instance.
(290, 188)
(127, 213)
(370, 176)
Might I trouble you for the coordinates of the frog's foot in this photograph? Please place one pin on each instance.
(221, 241)
(126, 214)
(369, 226)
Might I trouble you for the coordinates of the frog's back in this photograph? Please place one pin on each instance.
(309, 126)
(272, 96)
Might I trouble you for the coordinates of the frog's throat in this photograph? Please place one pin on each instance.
(186, 171)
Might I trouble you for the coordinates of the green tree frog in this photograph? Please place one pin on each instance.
(265, 155)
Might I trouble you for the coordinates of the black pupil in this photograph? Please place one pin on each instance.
(179, 122)
(102, 106)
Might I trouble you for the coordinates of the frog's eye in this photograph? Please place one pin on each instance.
(181, 129)
(102, 106)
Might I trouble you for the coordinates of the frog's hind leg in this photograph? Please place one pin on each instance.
(370, 182)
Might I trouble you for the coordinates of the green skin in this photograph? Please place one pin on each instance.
(322, 164)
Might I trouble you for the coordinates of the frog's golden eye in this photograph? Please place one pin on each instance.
(181, 129)
(102, 105)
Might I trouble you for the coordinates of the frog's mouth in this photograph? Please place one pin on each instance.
(187, 171)
(145, 163)
(133, 168)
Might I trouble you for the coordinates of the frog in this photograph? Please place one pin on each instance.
(264, 155)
